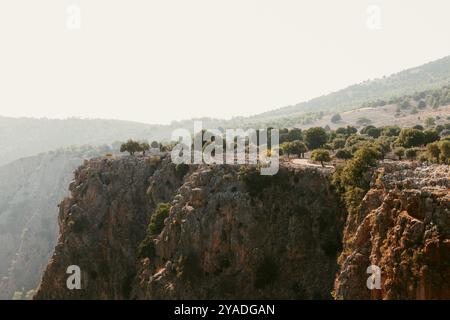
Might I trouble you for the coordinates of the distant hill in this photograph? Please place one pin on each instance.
(428, 76)
(23, 137)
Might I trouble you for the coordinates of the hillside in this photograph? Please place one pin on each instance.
(428, 76)
(383, 116)
(30, 190)
(24, 137)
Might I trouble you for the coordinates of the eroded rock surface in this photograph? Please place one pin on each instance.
(403, 227)
(231, 233)
(225, 237)
(221, 240)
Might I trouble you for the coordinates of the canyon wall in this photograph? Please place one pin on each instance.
(403, 227)
(145, 228)
(30, 190)
(229, 233)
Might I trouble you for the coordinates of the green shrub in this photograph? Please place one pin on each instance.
(338, 143)
(321, 155)
(411, 138)
(294, 147)
(130, 146)
(423, 157)
(391, 131)
(444, 147)
(343, 154)
(430, 136)
(346, 131)
(434, 151)
(352, 180)
(336, 118)
(315, 137)
(157, 219)
(411, 153)
(146, 248)
(399, 152)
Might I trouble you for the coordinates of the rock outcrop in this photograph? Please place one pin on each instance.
(236, 234)
(403, 227)
(145, 228)
(101, 226)
(230, 233)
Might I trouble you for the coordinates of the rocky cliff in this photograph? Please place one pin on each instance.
(102, 225)
(228, 232)
(403, 227)
(144, 228)
(30, 190)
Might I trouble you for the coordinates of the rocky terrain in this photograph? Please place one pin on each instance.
(403, 227)
(255, 238)
(231, 233)
(102, 225)
(30, 190)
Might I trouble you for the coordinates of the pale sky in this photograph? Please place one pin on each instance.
(157, 61)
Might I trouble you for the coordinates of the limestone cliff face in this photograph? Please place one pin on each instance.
(228, 234)
(403, 227)
(257, 237)
(101, 226)
(30, 190)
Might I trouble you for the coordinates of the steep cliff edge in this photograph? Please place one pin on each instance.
(403, 227)
(101, 226)
(144, 228)
(236, 234)
(229, 233)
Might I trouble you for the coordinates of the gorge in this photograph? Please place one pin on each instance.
(226, 232)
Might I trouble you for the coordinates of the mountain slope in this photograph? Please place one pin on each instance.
(428, 76)
(30, 190)
(24, 137)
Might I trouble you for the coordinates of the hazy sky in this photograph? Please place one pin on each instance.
(156, 61)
